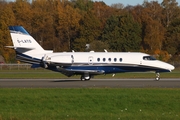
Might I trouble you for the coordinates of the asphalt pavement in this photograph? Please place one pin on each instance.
(93, 83)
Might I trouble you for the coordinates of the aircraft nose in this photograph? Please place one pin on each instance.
(170, 67)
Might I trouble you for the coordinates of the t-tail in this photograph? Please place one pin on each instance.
(26, 47)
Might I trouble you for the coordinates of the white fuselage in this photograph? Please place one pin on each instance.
(123, 60)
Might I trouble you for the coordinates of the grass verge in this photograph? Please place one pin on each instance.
(87, 103)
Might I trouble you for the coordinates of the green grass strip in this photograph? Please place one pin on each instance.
(90, 104)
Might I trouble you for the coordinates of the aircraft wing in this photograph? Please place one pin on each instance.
(94, 72)
(70, 72)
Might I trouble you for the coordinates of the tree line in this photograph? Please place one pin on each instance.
(66, 25)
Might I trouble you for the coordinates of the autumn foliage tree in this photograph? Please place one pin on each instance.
(6, 18)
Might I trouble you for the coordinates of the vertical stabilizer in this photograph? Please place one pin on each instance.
(26, 47)
(23, 42)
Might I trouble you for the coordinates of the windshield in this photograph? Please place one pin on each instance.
(149, 58)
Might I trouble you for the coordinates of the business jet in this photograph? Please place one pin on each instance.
(85, 64)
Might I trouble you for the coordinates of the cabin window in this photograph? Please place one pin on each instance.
(109, 59)
(115, 59)
(149, 58)
(120, 59)
(104, 59)
(98, 59)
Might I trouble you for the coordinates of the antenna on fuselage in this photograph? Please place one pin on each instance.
(105, 50)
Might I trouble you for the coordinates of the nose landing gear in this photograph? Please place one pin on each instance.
(157, 76)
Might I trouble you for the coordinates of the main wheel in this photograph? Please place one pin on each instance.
(83, 78)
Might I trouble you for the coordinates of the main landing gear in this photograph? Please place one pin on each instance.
(85, 77)
(157, 76)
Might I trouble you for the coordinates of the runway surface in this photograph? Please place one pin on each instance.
(93, 83)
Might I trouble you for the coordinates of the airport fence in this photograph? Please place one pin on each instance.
(17, 67)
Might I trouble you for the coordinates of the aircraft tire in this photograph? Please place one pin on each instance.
(157, 79)
(84, 79)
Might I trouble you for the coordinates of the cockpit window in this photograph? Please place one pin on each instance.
(149, 58)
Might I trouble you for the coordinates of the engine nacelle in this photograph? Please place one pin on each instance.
(64, 59)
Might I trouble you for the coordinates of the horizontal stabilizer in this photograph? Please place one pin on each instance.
(14, 47)
(21, 49)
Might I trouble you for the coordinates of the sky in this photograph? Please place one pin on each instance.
(126, 2)
(129, 2)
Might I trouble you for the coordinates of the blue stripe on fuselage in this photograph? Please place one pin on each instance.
(117, 69)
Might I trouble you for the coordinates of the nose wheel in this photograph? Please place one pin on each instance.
(157, 76)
